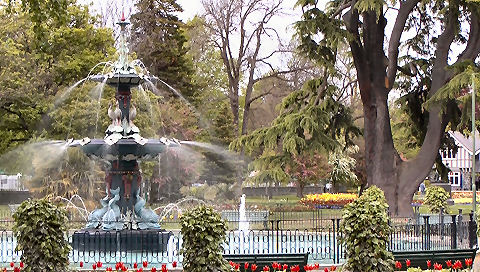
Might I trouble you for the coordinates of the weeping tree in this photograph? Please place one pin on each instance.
(383, 59)
(313, 122)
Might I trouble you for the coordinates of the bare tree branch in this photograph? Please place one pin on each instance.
(340, 9)
(473, 45)
(246, 21)
(406, 8)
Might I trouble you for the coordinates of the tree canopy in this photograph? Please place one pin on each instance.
(418, 64)
(36, 73)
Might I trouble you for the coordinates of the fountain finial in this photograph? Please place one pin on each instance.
(123, 22)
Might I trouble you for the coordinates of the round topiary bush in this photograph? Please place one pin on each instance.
(436, 198)
(203, 231)
(40, 228)
(365, 232)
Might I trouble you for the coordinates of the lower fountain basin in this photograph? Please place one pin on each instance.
(126, 149)
(121, 240)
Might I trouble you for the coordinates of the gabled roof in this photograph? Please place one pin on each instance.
(466, 142)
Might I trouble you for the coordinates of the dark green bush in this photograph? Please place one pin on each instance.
(40, 228)
(365, 232)
(203, 232)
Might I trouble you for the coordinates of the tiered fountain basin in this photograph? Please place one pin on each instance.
(123, 222)
(126, 149)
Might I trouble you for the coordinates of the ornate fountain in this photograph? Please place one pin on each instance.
(123, 212)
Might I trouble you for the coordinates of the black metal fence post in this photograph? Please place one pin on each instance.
(441, 221)
(278, 236)
(472, 235)
(426, 240)
(454, 231)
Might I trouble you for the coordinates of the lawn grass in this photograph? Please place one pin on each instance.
(286, 209)
(263, 201)
(452, 209)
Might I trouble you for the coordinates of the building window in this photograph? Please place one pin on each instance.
(448, 154)
(454, 178)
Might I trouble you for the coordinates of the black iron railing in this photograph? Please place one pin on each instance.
(318, 236)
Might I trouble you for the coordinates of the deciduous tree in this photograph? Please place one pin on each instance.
(238, 28)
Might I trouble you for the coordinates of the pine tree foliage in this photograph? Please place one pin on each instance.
(458, 90)
(158, 40)
(311, 120)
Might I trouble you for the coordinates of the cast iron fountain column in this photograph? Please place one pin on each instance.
(123, 147)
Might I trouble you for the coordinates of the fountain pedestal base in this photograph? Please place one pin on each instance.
(121, 240)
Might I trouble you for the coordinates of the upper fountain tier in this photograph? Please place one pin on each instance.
(124, 73)
(122, 138)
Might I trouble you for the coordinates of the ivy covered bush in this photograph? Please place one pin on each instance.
(39, 227)
(365, 232)
(203, 232)
(436, 198)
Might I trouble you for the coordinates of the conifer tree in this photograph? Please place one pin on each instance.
(158, 40)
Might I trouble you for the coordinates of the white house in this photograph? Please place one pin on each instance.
(11, 182)
(460, 162)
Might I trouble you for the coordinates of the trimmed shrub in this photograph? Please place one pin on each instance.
(40, 228)
(365, 231)
(436, 198)
(203, 232)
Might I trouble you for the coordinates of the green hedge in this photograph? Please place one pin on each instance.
(203, 232)
(436, 198)
(365, 232)
(40, 228)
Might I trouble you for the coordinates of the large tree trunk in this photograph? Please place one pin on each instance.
(381, 156)
(398, 179)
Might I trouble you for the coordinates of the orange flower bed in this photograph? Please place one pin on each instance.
(464, 194)
(328, 200)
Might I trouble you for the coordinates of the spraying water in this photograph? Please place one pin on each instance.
(66, 94)
(166, 210)
(146, 97)
(81, 210)
(213, 148)
(243, 224)
(99, 89)
(33, 156)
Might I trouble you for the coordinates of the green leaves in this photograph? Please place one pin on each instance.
(40, 228)
(333, 35)
(436, 198)
(38, 69)
(42, 11)
(370, 5)
(366, 232)
(311, 121)
(203, 233)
